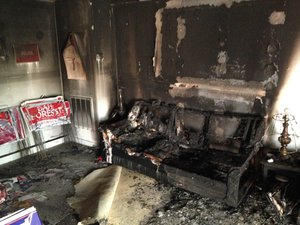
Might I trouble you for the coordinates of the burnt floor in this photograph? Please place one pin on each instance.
(67, 166)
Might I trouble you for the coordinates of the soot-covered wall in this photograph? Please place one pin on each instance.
(24, 22)
(90, 20)
(28, 22)
(224, 57)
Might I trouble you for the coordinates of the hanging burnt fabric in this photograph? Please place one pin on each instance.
(11, 126)
(73, 62)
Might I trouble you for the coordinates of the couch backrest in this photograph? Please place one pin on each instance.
(194, 128)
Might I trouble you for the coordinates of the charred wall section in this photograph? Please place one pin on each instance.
(135, 34)
(195, 46)
(75, 17)
(90, 21)
(104, 58)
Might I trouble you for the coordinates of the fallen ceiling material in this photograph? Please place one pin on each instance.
(109, 195)
(95, 193)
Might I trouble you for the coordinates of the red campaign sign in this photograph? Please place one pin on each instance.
(18, 123)
(7, 132)
(26, 53)
(47, 112)
(11, 126)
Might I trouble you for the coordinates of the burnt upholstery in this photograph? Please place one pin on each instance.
(182, 142)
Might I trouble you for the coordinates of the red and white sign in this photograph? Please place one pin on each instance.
(11, 126)
(46, 112)
(26, 53)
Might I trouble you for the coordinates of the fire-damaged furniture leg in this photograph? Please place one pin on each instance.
(240, 179)
(38, 138)
(71, 138)
(22, 144)
(233, 183)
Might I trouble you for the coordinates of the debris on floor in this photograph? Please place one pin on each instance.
(45, 184)
(189, 208)
(3, 193)
(139, 200)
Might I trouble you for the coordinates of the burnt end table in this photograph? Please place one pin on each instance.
(281, 181)
(289, 168)
(280, 168)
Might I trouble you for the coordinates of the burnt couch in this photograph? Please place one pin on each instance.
(209, 153)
